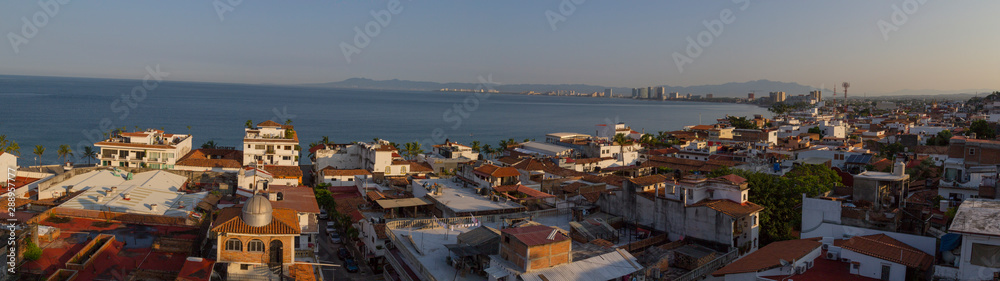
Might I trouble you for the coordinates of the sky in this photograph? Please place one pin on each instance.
(878, 46)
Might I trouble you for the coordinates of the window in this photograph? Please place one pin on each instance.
(259, 146)
(234, 244)
(855, 265)
(402, 170)
(972, 151)
(388, 170)
(350, 179)
(986, 255)
(255, 246)
(244, 267)
(754, 220)
(286, 158)
(690, 195)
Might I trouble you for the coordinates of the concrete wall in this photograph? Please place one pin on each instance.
(967, 269)
(922, 243)
(670, 216)
(817, 211)
(872, 267)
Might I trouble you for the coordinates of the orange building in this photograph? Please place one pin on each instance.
(535, 247)
(256, 238)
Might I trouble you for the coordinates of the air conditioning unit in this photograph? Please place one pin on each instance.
(800, 269)
(826, 247)
(832, 256)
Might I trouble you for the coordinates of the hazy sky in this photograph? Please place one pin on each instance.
(940, 45)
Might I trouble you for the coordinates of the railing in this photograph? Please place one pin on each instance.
(709, 267)
(306, 253)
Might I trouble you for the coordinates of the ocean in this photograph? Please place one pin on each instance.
(51, 111)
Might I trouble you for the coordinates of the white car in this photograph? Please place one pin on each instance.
(331, 227)
(335, 237)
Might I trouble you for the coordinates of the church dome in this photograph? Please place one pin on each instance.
(257, 211)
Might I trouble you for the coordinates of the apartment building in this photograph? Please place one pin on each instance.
(270, 143)
(147, 149)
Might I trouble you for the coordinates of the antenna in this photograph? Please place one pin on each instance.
(845, 85)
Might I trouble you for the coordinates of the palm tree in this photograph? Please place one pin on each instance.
(89, 153)
(288, 121)
(416, 150)
(39, 150)
(64, 151)
(326, 140)
(487, 149)
(647, 139)
(210, 145)
(475, 146)
(249, 124)
(622, 140)
(9, 146)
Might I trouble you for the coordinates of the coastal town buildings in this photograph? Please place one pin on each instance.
(270, 143)
(151, 148)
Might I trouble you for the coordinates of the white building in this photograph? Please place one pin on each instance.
(270, 143)
(978, 257)
(149, 149)
(8, 162)
(608, 131)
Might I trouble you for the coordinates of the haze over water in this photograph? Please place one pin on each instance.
(52, 111)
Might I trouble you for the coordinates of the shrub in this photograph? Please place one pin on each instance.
(33, 252)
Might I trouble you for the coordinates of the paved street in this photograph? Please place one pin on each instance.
(328, 255)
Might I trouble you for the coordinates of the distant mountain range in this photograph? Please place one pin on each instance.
(733, 89)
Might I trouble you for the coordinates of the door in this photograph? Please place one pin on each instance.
(276, 252)
(885, 271)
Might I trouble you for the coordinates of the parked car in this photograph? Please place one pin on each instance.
(335, 237)
(331, 226)
(351, 265)
(342, 253)
(323, 215)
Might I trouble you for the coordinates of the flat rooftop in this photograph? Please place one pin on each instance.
(145, 189)
(460, 199)
(977, 216)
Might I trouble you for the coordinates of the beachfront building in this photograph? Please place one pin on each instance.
(270, 143)
(147, 149)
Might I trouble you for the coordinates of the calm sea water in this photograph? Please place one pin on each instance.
(51, 111)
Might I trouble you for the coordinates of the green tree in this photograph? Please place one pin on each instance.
(9, 146)
(33, 252)
(983, 130)
(210, 145)
(476, 146)
(816, 130)
(488, 150)
(622, 141)
(647, 140)
(39, 150)
(288, 121)
(89, 153)
(780, 195)
(64, 151)
(890, 151)
(742, 122)
(249, 124)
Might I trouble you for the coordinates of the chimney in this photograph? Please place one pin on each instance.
(100, 198)
(272, 196)
(154, 207)
(113, 189)
(127, 196)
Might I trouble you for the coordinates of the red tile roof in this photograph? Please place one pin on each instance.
(203, 158)
(284, 171)
(268, 123)
(283, 221)
(535, 235)
(301, 272)
(331, 172)
(196, 270)
(731, 208)
(494, 171)
(648, 180)
(884, 247)
(824, 270)
(770, 256)
(530, 192)
(733, 178)
(299, 198)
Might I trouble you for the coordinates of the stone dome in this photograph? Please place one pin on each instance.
(257, 211)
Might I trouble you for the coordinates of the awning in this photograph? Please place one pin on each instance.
(400, 203)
